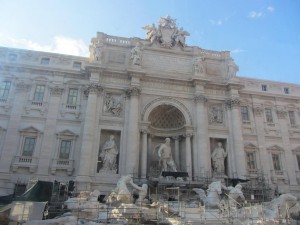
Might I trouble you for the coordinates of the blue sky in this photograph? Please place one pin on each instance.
(262, 35)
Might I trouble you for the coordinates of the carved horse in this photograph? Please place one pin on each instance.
(121, 192)
(211, 198)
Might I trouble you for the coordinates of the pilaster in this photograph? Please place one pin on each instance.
(201, 151)
(50, 130)
(233, 107)
(10, 146)
(132, 148)
(91, 122)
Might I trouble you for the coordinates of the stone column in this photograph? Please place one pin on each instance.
(233, 105)
(202, 152)
(132, 150)
(177, 158)
(143, 162)
(188, 154)
(90, 124)
(10, 146)
(50, 130)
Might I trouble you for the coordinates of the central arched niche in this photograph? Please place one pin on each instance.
(166, 119)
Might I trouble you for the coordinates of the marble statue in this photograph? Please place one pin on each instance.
(198, 66)
(142, 192)
(211, 198)
(136, 54)
(165, 156)
(167, 34)
(180, 37)
(218, 156)
(234, 194)
(121, 192)
(279, 206)
(152, 33)
(109, 155)
(98, 52)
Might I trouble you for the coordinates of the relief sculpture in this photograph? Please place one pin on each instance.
(113, 104)
(215, 114)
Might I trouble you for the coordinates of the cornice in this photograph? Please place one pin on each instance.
(41, 70)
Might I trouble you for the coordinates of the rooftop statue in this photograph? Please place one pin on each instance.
(167, 34)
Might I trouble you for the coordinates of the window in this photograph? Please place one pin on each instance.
(251, 163)
(28, 147)
(12, 57)
(292, 118)
(77, 65)
(286, 90)
(269, 116)
(4, 89)
(39, 93)
(264, 87)
(298, 161)
(276, 161)
(245, 113)
(65, 149)
(45, 61)
(72, 97)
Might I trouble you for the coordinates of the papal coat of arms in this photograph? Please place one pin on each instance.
(167, 34)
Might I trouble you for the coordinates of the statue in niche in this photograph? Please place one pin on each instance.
(136, 54)
(109, 155)
(165, 156)
(113, 105)
(218, 158)
(215, 115)
(198, 66)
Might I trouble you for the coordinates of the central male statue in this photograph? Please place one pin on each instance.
(165, 156)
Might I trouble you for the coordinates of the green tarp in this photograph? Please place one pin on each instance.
(41, 191)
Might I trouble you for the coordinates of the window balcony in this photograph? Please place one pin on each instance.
(62, 164)
(279, 175)
(39, 106)
(70, 109)
(25, 162)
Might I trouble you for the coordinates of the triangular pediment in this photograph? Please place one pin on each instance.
(250, 146)
(30, 129)
(67, 133)
(275, 148)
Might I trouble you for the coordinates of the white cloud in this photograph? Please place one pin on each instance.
(270, 9)
(216, 22)
(59, 44)
(237, 50)
(254, 14)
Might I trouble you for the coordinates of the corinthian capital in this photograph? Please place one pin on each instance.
(133, 91)
(200, 98)
(93, 88)
(232, 102)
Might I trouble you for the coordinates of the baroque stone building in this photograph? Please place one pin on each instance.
(94, 119)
